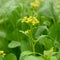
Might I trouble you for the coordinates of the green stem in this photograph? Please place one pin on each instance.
(32, 42)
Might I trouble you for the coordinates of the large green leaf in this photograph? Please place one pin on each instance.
(41, 30)
(14, 44)
(47, 42)
(25, 45)
(55, 32)
(53, 58)
(10, 57)
(25, 53)
(49, 9)
(33, 58)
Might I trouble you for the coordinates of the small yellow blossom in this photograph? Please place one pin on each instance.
(24, 19)
(28, 20)
(27, 31)
(35, 4)
(2, 53)
(35, 21)
(31, 20)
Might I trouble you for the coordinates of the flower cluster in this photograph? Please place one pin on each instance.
(32, 20)
(35, 4)
(2, 53)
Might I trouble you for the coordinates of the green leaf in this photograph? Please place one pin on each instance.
(8, 7)
(2, 34)
(10, 57)
(25, 53)
(33, 58)
(44, 40)
(25, 45)
(48, 9)
(55, 32)
(10, 12)
(41, 30)
(14, 44)
(53, 58)
(25, 42)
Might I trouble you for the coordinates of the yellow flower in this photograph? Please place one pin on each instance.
(35, 4)
(24, 19)
(31, 20)
(35, 21)
(28, 20)
(27, 31)
(2, 53)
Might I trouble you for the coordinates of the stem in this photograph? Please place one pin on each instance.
(32, 42)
